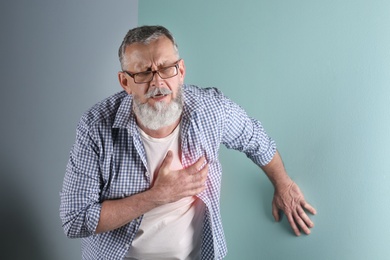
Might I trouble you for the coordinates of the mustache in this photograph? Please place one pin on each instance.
(157, 91)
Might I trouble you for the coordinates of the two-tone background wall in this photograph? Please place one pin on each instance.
(316, 73)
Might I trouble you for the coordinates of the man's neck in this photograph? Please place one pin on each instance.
(162, 132)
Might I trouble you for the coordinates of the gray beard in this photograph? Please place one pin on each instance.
(161, 114)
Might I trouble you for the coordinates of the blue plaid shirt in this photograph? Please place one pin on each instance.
(108, 161)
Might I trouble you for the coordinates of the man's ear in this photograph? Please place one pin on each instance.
(182, 70)
(124, 81)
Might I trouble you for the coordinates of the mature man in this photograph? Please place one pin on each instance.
(143, 178)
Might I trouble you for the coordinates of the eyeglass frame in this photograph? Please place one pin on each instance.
(176, 64)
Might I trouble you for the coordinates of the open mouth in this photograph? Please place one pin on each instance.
(159, 95)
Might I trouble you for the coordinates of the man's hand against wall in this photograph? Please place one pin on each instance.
(291, 201)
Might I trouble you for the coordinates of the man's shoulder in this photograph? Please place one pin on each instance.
(205, 101)
(197, 91)
(105, 109)
(197, 95)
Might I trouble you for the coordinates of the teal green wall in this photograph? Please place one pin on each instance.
(317, 74)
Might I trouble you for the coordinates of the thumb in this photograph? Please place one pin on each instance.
(167, 161)
(275, 212)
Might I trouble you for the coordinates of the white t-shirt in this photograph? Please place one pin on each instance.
(174, 230)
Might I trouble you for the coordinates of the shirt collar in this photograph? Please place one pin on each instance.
(192, 102)
(125, 117)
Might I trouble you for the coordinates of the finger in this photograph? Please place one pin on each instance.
(305, 218)
(309, 208)
(165, 165)
(204, 172)
(275, 212)
(294, 226)
(301, 223)
(199, 179)
(195, 179)
(196, 167)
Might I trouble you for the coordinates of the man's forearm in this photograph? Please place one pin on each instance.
(169, 186)
(276, 172)
(116, 213)
(288, 197)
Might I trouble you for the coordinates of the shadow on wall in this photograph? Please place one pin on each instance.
(18, 223)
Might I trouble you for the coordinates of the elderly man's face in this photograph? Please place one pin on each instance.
(154, 56)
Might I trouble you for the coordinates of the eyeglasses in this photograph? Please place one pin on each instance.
(147, 76)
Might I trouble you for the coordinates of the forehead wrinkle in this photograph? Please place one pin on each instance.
(162, 63)
(143, 66)
(155, 65)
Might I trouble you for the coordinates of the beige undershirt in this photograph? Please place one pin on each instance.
(171, 231)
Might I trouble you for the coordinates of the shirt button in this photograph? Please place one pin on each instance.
(127, 246)
(147, 174)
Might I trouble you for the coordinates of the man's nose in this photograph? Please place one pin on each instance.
(156, 79)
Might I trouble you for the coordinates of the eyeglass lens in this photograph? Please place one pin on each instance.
(164, 73)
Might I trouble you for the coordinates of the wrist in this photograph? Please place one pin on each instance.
(153, 197)
(283, 183)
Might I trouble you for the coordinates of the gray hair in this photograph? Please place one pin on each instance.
(144, 34)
